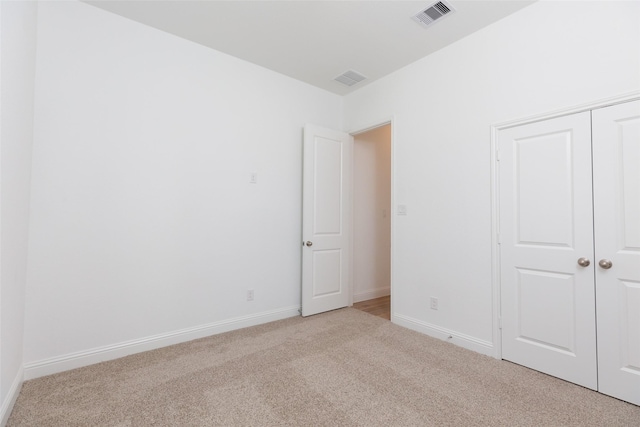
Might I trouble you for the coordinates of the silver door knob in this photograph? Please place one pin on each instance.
(605, 263)
(583, 262)
(308, 243)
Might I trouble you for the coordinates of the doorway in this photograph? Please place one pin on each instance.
(372, 214)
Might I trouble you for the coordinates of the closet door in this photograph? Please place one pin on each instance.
(546, 247)
(616, 177)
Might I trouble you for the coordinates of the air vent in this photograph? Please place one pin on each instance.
(433, 13)
(349, 78)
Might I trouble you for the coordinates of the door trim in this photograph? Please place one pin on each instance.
(376, 124)
(495, 192)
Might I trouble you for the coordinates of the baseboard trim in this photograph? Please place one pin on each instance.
(12, 396)
(375, 293)
(462, 340)
(101, 354)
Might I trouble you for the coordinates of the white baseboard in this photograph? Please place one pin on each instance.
(12, 396)
(89, 357)
(375, 293)
(462, 340)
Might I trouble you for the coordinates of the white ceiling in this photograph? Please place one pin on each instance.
(315, 41)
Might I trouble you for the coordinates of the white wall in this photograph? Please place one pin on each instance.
(371, 214)
(143, 220)
(145, 230)
(551, 55)
(17, 55)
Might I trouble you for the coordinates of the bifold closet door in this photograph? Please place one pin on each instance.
(570, 253)
(546, 247)
(616, 177)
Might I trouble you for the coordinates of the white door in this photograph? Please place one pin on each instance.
(616, 176)
(546, 227)
(326, 219)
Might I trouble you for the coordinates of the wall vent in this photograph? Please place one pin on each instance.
(433, 13)
(349, 78)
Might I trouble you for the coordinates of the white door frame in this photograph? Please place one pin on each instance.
(495, 191)
(376, 124)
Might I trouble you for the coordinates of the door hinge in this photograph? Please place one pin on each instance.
(497, 155)
(500, 323)
(499, 237)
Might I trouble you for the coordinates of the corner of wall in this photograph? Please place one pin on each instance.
(18, 29)
(12, 396)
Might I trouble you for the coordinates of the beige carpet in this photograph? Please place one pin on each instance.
(343, 368)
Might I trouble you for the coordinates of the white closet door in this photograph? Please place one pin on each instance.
(616, 175)
(546, 226)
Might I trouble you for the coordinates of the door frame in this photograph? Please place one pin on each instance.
(360, 130)
(495, 193)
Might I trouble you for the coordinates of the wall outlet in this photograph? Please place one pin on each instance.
(250, 295)
(434, 303)
(253, 178)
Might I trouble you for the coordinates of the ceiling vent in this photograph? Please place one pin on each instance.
(350, 78)
(433, 13)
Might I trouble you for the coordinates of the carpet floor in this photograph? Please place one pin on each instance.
(342, 368)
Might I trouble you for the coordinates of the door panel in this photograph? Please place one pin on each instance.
(326, 219)
(551, 152)
(616, 174)
(630, 314)
(546, 225)
(327, 270)
(554, 331)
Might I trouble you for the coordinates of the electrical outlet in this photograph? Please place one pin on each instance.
(434, 303)
(250, 295)
(253, 179)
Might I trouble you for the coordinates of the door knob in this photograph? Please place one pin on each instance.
(583, 262)
(605, 263)
(309, 243)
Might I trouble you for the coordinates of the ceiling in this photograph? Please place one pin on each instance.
(315, 41)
